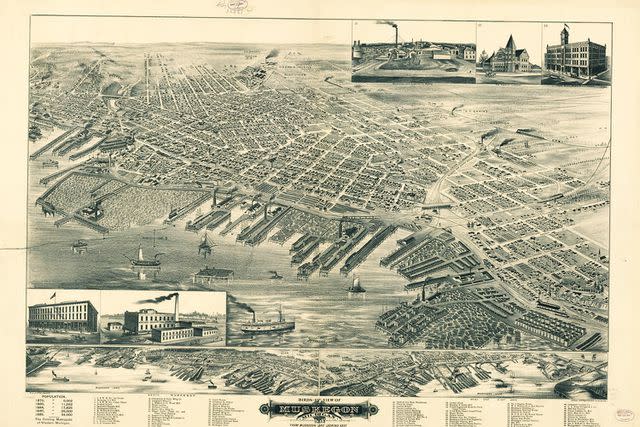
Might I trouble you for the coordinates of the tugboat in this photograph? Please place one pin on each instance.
(79, 246)
(275, 275)
(355, 287)
(56, 378)
(267, 326)
(141, 262)
(500, 384)
(211, 385)
(206, 245)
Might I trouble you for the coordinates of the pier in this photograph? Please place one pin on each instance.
(60, 139)
(361, 254)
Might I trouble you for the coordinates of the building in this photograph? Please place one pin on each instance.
(469, 54)
(453, 50)
(166, 327)
(145, 320)
(79, 316)
(443, 54)
(209, 274)
(356, 50)
(509, 59)
(176, 333)
(114, 326)
(204, 331)
(578, 59)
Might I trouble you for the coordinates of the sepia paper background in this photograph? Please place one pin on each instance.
(624, 212)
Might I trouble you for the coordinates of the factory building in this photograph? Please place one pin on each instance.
(145, 320)
(80, 316)
(578, 59)
(509, 59)
(165, 327)
(176, 333)
(204, 331)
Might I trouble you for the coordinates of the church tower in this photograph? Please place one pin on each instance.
(511, 44)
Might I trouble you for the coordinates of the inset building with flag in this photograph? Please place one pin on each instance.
(78, 316)
(577, 59)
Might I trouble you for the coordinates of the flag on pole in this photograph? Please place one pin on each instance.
(52, 296)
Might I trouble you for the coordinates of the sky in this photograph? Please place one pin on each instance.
(378, 31)
(65, 29)
(117, 302)
(598, 33)
(527, 35)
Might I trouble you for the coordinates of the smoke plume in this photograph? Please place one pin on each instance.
(241, 305)
(274, 52)
(158, 299)
(386, 22)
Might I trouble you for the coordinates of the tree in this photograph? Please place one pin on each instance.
(483, 57)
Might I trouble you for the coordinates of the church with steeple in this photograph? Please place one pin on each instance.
(509, 59)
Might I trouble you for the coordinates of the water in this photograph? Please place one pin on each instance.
(87, 379)
(321, 307)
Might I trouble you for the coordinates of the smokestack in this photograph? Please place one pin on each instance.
(340, 229)
(396, 27)
(176, 310)
(423, 295)
(254, 316)
(266, 206)
(215, 202)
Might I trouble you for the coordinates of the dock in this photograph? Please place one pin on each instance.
(58, 140)
(361, 254)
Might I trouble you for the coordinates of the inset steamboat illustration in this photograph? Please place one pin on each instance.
(268, 326)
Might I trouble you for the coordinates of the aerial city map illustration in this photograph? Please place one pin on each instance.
(365, 185)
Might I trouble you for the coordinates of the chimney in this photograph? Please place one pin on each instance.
(176, 309)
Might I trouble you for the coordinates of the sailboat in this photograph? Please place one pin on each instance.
(355, 287)
(206, 245)
(141, 262)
